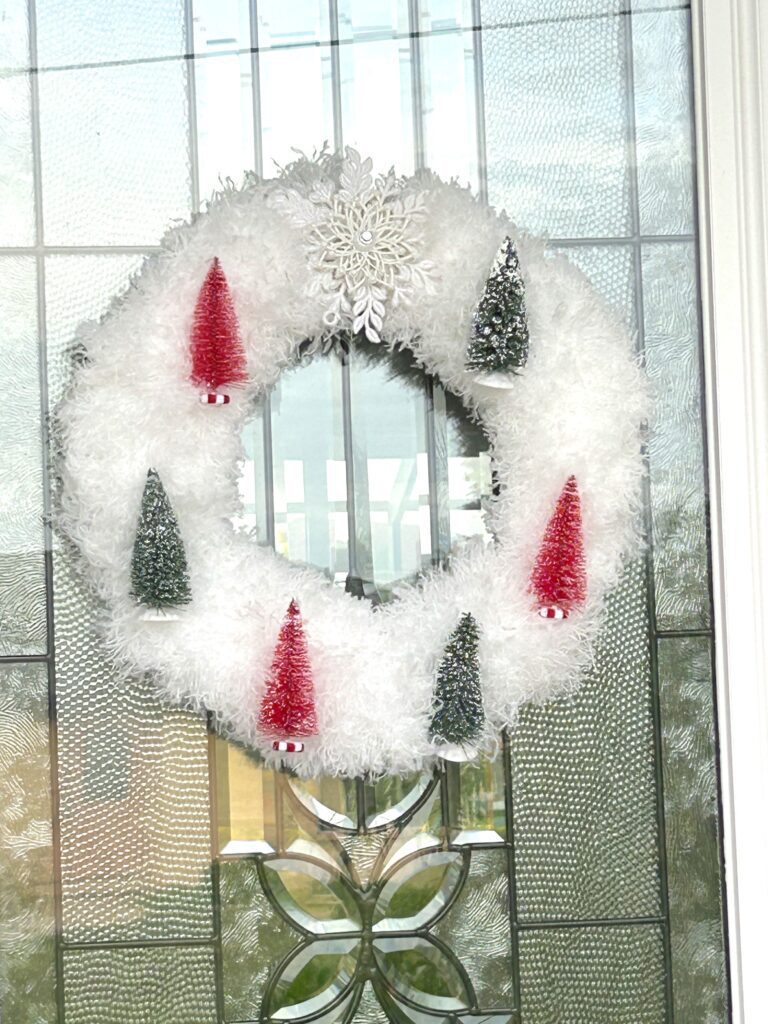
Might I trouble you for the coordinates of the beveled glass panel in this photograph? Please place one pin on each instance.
(313, 979)
(555, 109)
(95, 31)
(439, 15)
(245, 801)
(308, 467)
(661, 49)
(296, 102)
(221, 25)
(675, 445)
(449, 105)
(419, 891)
(372, 19)
(692, 830)
(377, 102)
(22, 570)
(224, 106)
(254, 491)
(135, 986)
(583, 781)
(476, 803)
(391, 474)
(16, 192)
(293, 24)
(311, 895)
(14, 35)
(99, 136)
(593, 975)
(27, 973)
(423, 973)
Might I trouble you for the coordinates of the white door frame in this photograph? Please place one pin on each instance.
(730, 43)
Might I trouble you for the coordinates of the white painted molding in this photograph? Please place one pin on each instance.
(731, 85)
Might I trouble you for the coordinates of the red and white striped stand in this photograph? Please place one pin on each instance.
(553, 612)
(288, 746)
(213, 398)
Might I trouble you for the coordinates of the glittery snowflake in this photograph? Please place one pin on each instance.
(363, 239)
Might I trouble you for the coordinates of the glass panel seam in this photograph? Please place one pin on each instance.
(37, 181)
(634, 194)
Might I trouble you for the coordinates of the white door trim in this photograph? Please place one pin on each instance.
(730, 40)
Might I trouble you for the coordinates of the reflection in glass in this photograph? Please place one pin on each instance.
(314, 978)
(391, 475)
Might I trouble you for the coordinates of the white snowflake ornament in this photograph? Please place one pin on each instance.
(363, 237)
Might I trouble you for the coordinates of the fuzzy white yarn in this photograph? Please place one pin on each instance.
(575, 409)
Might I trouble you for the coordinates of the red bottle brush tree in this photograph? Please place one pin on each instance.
(559, 577)
(288, 706)
(218, 357)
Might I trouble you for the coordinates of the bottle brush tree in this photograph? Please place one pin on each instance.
(159, 573)
(457, 703)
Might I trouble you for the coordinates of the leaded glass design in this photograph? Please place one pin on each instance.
(151, 872)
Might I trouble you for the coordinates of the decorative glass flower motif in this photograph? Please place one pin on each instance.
(363, 239)
(378, 935)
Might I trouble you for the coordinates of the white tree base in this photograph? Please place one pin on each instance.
(160, 615)
(458, 753)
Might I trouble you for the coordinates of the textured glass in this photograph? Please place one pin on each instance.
(254, 939)
(26, 852)
(512, 12)
(16, 195)
(94, 31)
(476, 928)
(377, 101)
(555, 109)
(692, 827)
(22, 574)
(661, 54)
(583, 782)
(133, 783)
(224, 104)
(14, 34)
(115, 165)
(449, 105)
(296, 103)
(133, 775)
(136, 986)
(610, 269)
(675, 447)
(593, 975)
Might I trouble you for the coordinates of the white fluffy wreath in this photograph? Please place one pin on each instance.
(285, 246)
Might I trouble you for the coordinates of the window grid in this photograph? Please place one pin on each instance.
(40, 250)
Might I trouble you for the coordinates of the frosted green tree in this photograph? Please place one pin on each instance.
(458, 713)
(500, 324)
(159, 573)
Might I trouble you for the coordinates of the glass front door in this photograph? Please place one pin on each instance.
(150, 872)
